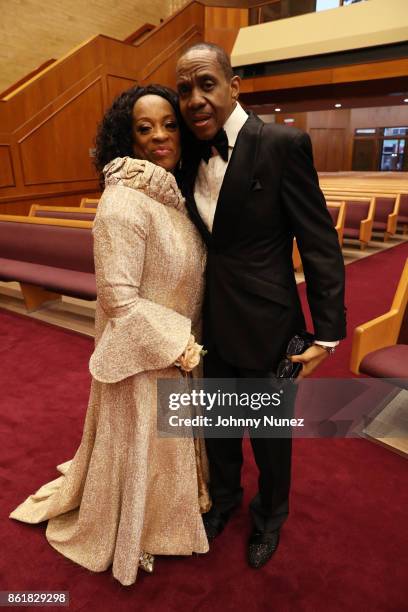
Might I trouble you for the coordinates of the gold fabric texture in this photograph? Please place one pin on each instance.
(127, 491)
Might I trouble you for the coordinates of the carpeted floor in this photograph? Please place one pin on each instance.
(345, 546)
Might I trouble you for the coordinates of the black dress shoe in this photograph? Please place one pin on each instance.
(214, 523)
(261, 547)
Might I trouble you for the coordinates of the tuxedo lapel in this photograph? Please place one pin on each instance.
(197, 220)
(187, 181)
(237, 182)
(188, 192)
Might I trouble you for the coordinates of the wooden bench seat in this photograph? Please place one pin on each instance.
(380, 346)
(359, 217)
(385, 210)
(378, 184)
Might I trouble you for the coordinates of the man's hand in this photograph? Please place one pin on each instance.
(311, 359)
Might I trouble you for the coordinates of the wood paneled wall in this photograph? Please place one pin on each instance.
(384, 116)
(48, 125)
(332, 131)
(222, 25)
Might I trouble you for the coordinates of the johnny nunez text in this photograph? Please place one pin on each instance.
(205, 421)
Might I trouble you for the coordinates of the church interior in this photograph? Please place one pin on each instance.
(335, 69)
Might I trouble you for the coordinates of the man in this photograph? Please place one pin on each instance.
(251, 189)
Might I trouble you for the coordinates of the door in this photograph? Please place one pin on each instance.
(365, 154)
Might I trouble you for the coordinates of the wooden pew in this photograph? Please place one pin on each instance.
(48, 257)
(62, 212)
(337, 211)
(371, 183)
(385, 209)
(382, 343)
(403, 212)
(89, 203)
(386, 214)
(359, 217)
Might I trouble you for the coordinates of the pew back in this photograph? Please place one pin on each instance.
(62, 212)
(65, 244)
(89, 203)
(48, 257)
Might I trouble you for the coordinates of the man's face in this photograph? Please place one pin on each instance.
(207, 98)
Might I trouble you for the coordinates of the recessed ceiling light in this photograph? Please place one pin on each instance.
(277, 110)
(338, 105)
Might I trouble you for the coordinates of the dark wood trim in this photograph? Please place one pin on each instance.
(146, 27)
(353, 76)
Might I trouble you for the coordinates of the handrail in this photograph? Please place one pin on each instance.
(40, 74)
(146, 27)
(27, 77)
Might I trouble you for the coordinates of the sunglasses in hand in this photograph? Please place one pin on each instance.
(297, 345)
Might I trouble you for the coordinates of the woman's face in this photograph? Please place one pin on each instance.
(156, 135)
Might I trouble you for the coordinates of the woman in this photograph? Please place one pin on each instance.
(127, 494)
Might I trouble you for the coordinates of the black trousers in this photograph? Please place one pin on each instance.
(270, 506)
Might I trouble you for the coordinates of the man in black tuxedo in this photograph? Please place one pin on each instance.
(250, 190)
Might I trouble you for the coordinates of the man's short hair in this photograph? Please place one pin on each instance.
(222, 56)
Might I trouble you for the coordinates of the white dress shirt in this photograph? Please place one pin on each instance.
(210, 177)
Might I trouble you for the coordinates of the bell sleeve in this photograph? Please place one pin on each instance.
(140, 334)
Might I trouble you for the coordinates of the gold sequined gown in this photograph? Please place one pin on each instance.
(126, 490)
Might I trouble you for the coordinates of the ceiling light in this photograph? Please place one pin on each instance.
(277, 110)
(338, 105)
(405, 99)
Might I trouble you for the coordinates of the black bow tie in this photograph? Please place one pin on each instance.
(219, 142)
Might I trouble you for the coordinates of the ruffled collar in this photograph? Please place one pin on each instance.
(144, 176)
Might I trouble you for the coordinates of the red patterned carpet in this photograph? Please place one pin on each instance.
(345, 546)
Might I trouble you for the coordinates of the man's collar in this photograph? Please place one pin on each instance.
(234, 124)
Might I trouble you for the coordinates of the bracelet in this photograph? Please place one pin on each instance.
(329, 349)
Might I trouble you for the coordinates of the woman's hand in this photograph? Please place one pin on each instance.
(191, 355)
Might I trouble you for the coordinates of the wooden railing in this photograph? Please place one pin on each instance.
(26, 78)
(139, 33)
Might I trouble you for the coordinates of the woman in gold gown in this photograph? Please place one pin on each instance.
(128, 494)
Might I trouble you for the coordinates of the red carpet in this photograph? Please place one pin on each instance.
(345, 546)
